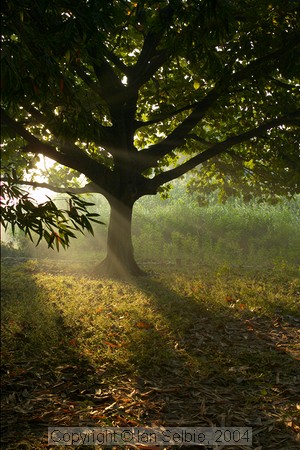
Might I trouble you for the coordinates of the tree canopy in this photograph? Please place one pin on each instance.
(134, 94)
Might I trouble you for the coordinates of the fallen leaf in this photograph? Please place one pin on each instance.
(111, 344)
(146, 447)
(142, 324)
(293, 425)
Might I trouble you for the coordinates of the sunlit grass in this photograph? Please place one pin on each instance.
(232, 333)
(132, 327)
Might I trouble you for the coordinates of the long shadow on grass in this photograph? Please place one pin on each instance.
(205, 367)
(195, 364)
(46, 381)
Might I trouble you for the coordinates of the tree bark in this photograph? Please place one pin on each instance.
(120, 261)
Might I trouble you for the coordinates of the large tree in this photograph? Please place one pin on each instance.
(134, 94)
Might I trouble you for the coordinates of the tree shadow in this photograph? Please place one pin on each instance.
(220, 369)
(46, 380)
(191, 364)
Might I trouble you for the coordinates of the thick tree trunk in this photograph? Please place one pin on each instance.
(120, 261)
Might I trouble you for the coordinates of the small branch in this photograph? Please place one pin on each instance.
(261, 171)
(87, 189)
(114, 59)
(177, 138)
(88, 81)
(42, 117)
(34, 146)
(148, 70)
(284, 85)
(150, 59)
(110, 82)
(161, 118)
(199, 139)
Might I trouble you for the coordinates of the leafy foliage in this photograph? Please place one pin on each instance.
(55, 225)
(135, 94)
(87, 80)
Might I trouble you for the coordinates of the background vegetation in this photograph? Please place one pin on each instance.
(178, 231)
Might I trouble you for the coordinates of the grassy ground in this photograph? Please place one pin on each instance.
(194, 347)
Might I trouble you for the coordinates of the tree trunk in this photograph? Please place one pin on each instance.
(120, 261)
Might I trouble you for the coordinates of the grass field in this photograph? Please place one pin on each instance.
(234, 234)
(199, 346)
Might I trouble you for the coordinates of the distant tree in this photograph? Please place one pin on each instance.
(134, 94)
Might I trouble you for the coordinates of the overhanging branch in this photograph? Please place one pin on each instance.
(221, 147)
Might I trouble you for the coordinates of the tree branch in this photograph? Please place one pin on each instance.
(221, 147)
(150, 59)
(34, 145)
(110, 83)
(154, 153)
(73, 156)
(87, 189)
(140, 124)
(48, 119)
(177, 138)
(143, 74)
(115, 60)
(199, 139)
(42, 117)
(259, 63)
(284, 85)
(95, 87)
(151, 41)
